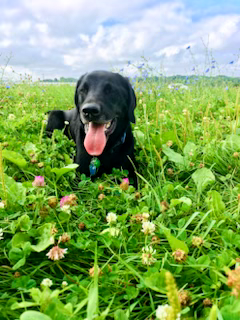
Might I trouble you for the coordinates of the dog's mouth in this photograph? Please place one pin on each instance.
(97, 135)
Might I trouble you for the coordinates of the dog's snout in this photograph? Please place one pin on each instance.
(91, 110)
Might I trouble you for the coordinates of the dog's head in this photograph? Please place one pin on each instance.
(105, 102)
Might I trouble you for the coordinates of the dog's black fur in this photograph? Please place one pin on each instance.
(101, 97)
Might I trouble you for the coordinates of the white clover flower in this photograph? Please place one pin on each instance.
(145, 216)
(148, 227)
(56, 253)
(148, 255)
(1, 234)
(64, 284)
(11, 116)
(111, 217)
(66, 123)
(47, 282)
(2, 205)
(162, 312)
(66, 208)
(114, 232)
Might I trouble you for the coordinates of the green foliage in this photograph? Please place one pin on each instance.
(15, 158)
(30, 315)
(16, 192)
(60, 172)
(175, 243)
(44, 236)
(203, 178)
(175, 157)
(214, 202)
(187, 145)
(156, 281)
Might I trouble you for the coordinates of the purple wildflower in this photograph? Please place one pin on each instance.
(207, 70)
(145, 74)
(64, 200)
(231, 62)
(38, 182)
(188, 47)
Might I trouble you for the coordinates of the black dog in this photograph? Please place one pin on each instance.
(100, 123)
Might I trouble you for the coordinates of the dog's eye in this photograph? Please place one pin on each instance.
(84, 89)
(107, 89)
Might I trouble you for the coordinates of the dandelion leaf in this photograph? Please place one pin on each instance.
(45, 238)
(15, 158)
(203, 177)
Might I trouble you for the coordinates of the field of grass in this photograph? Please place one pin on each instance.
(174, 241)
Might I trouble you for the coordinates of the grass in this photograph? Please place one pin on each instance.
(188, 151)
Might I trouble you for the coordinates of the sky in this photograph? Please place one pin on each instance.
(54, 38)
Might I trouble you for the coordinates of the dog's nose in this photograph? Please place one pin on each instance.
(91, 110)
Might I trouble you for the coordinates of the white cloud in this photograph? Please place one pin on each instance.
(76, 36)
(10, 13)
(24, 26)
(217, 31)
(6, 29)
(5, 43)
(169, 51)
(42, 27)
(48, 42)
(122, 42)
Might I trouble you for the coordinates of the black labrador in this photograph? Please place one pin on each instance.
(100, 123)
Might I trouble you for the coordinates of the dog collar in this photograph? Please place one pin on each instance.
(95, 162)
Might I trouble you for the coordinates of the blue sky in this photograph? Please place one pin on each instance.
(70, 37)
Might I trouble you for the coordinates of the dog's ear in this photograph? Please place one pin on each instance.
(131, 102)
(76, 98)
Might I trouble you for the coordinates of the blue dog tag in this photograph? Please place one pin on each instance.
(94, 165)
(92, 169)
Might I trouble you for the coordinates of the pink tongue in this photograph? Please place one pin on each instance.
(95, 139)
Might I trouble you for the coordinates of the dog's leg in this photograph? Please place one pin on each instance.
(56, 120)
(59, 119)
